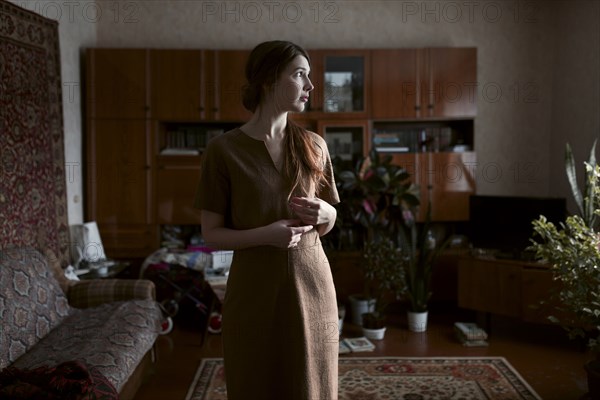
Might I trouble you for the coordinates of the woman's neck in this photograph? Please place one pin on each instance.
(265, 125)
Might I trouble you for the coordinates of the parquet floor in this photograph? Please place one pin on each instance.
(542, 354)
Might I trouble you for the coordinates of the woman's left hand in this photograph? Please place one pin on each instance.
(313, 211)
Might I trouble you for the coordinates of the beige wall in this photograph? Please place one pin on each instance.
(576, 91)
(537, 63)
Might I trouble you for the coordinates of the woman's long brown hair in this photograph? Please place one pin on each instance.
(303, 158)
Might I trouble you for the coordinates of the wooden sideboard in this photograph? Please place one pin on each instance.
(506, 287)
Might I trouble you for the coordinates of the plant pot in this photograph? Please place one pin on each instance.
(593, 378)
(417, 321)
(360, 306)
(375, 334)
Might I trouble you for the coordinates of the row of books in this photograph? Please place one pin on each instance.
(413, 140)
(469, 334)
(356, 345)
(187, 140)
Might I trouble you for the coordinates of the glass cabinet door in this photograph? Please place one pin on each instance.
(344, 84)
(339, 77)
(346, 141)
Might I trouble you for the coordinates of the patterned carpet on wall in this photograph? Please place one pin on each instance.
(389, 378)
(33, 202)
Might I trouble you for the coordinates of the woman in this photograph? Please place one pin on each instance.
(267, 192)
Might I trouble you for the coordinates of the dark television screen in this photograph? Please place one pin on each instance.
(503, 223)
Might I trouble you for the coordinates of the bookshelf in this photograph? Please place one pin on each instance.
(422, 136)
(187, 138)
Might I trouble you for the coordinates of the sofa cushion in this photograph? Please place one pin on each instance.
(112, 338)
(31, 302)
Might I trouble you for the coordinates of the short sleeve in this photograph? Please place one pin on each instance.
(214, 191)
(328, 190)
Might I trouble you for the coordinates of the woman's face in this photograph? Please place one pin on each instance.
(291, 90)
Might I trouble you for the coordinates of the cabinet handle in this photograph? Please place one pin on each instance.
(430, 106)
(200, 108)
(215, 109)
(417, 108)
(146, 108)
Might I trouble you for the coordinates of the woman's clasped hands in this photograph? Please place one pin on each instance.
(312, 211)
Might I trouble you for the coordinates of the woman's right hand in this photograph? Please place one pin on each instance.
(286, 233)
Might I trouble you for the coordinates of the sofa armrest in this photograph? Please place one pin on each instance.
(91, 293)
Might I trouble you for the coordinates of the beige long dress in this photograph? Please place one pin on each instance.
(280, 321)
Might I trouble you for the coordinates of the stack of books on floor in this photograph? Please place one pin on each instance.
(355, 345)
(469, 334)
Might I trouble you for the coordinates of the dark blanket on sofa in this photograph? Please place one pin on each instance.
(71, 380)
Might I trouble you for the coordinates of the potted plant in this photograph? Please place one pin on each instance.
(419, 253)
(385, 276)
(572, 250)
(373, 195)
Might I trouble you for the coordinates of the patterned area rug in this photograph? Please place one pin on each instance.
(406, 378)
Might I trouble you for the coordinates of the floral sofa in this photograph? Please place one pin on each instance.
(46, 320)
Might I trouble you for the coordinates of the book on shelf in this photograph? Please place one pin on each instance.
(177, 151)
(356, 345)
(392, 149)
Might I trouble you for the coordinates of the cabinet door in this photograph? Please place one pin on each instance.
(127, 241)
(341, 84)
(176, 186)
(346, 140)
(119, 171)
(452, 80)
(117, 83)
(227, 84)
(119, 193)
(490, 286)
(394, 83)
(450, 179)
(178, 85)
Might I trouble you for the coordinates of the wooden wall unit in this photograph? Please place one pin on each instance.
(132, 95)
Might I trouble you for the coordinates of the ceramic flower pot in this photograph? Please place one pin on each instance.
(375, 334)
(417, 321)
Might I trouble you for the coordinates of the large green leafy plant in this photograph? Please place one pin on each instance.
(399, 253)
(374, 194)
(572, 250)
